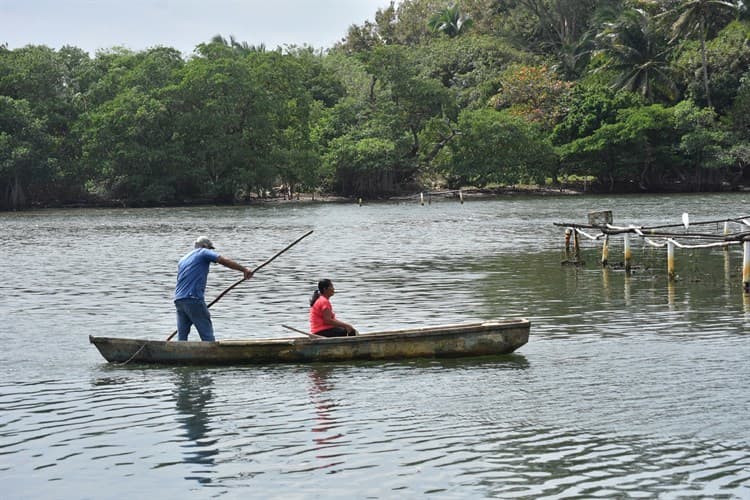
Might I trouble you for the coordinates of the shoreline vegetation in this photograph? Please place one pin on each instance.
(428, 196)
(633, 96)
(424, 197)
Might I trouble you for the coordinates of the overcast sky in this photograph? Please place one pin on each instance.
(181, 24)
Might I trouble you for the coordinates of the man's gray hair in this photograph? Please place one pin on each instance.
(204, 242)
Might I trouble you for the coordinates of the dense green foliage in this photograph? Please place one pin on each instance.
(632, 95)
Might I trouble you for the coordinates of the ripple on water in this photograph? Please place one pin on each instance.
(630, 386)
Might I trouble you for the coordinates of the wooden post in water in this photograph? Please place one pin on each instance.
(421, 199)
(576, 247)
(727, 266)
(626, 251)
(746, 267)
(670, 260)
(567, 242)
(461, 196)
(726, 232)
(605, 250)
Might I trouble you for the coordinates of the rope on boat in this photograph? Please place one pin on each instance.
(131, 358)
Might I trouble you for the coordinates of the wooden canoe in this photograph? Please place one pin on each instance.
(450, 341)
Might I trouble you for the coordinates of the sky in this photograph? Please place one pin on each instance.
(181, 24)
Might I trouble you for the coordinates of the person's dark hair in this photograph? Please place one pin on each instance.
(323, 285)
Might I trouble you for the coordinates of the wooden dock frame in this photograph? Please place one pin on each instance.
(658, 236)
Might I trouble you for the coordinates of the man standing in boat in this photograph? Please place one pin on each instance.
(189, 293)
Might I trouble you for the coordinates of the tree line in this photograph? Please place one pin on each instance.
(631, 95)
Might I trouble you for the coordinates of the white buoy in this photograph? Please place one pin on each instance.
(685, 220)
(421, 198)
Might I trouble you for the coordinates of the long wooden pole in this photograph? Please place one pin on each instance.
(233, 285)
(311, 335)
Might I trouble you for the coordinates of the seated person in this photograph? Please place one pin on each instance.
(323, 321)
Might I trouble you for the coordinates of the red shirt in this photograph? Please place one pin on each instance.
(317, 323)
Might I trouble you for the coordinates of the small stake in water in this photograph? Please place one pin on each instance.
(626, 251)
(605, 250)
(670, 260)
(726, 232)
(746, 266)
(421, 199)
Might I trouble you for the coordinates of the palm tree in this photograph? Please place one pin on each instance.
(573, 56)
(450, 21)
(237, 46)
(637, 51)
(694, 18)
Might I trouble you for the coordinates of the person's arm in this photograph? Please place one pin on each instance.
(233, 265)
(329, 320)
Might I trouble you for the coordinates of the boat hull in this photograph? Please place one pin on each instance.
(451, 341)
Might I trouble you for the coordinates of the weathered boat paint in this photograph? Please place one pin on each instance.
(473, 339)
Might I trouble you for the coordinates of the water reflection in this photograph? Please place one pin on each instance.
(621, 396)
(326, 436)
(193, 395)
(627, 285)
(514, 361)
(670, 295)
(605, 282)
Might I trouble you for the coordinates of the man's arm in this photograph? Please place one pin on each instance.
(234, 265)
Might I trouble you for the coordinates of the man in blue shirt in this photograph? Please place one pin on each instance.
(189, 293)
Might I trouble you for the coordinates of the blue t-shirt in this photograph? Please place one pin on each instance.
(192, 273)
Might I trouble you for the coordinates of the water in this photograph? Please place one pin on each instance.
(629, 386)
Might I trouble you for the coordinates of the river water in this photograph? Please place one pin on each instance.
(630, 386)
